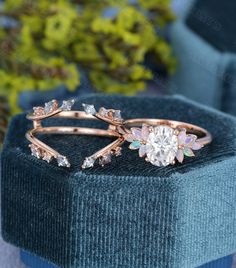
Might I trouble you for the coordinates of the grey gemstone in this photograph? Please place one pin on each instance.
(89, 109)
(88, 162)
(62, 161)
(104, 160)
(49, 107)
(67, 105)
(117, 115)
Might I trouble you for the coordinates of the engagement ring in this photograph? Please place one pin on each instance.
(160, 142)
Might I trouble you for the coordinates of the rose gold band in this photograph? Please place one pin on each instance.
(203, 135)
(118, 129)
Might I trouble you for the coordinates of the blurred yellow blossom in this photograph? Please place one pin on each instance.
(52, 40)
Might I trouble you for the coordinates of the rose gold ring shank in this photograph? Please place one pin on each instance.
(204, 137)
(160, 141)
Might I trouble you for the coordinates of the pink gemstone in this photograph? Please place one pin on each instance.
(142, 150)
(137, 133)
(129, 137)
(180, 156)
(145, 132)
(196, 146)
(188, 140)
(182, 137)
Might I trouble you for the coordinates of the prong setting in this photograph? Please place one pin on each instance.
(162, 143)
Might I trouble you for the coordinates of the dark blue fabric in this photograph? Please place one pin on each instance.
(204, 44)
(229, 89)
(129, 213)
(215, 22)
(35, 262)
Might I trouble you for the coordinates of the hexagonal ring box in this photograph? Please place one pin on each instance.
(128, 213)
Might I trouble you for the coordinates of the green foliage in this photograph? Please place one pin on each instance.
(4, 113)
(52, 38)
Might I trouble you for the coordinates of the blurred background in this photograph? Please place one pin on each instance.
(62, 49)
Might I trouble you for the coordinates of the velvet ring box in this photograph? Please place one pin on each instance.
(203, 40)
(129, 213)
(35, 262)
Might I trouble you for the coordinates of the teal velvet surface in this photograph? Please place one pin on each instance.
(129, 213)
(214, 22)
(200, 67)
(36, 262)
(202, 43)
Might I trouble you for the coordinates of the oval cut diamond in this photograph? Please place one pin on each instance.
(162, 146)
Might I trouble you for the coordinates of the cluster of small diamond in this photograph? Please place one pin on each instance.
(103, 160)
(187, 144)
(162, 144)
(110, 114)
(39, 153)
(52, 106)
(114, 115)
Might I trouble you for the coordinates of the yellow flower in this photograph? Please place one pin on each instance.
(9, 5)
(34, 23)
(138, 72)
(59, 26)
(73, 79)
(53, 38)
(103, 25)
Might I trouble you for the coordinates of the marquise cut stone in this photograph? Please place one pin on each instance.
(161, 146)
(67, 105)
(88, 162)
(35, 151)
(50, 106)
(104, 160)
(89, 109)
(62, 161)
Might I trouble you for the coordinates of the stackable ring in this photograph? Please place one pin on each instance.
(160, 142)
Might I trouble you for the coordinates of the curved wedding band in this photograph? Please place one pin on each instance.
(160, 141)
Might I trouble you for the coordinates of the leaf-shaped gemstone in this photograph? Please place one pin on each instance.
(145, 132)
(67, 105)
(135, 145)
(180, 155)
(129, 137)
(137, 133)
(182, 137)
(188, 152)
(190, 139)
(142, 150)
(89, 109)
(50, 106)
(196, 146)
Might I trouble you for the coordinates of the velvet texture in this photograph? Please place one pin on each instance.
(36, 262)
(202, 42)
(215, 23)
(129, 213)
(226, 262)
